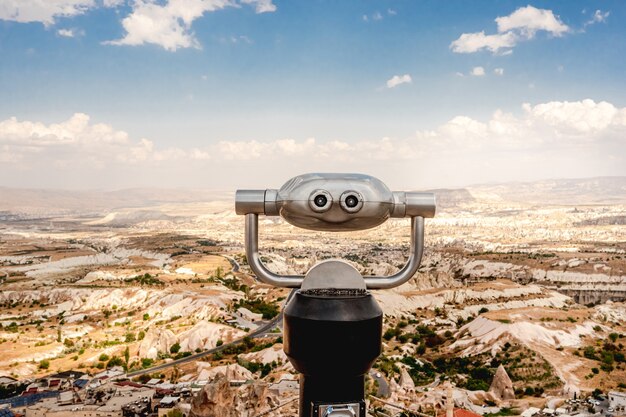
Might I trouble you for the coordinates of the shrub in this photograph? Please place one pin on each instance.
(115, 361)
(476, 385)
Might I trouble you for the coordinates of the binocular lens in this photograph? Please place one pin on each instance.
(352, 201)
(320, 200)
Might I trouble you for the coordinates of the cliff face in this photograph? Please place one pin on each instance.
(502, 386)
(219, 399)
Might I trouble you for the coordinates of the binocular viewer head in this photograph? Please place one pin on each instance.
(335, 202)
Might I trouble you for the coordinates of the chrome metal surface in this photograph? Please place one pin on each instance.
(351, 201)
(410, 268)
(420, 204)
(333, 273)
(294, 202)
(254, 260)
(250, 201)
(320, 201)
(339, 410)
(295, 281)
(270, 203)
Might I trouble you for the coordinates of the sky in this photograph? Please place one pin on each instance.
(224, 94)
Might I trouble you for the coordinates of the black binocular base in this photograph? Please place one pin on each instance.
(332, 396)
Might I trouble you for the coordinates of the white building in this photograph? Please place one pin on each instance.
(530, 411)
(617, 399)
(285, 385)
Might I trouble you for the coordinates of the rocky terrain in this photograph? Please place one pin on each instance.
(522, 280)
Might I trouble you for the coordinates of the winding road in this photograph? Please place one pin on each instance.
(383, 385)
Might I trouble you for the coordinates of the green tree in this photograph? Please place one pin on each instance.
(175, 413)
(115, 361)
(127, 355)
(175, 348)
(44, 364)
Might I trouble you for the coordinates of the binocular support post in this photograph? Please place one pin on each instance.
(295, 281)
(332, 327)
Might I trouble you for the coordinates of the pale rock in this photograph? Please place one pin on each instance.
(406, 382)
(219, 399)
(205, 335)
(271, 354)
(156, 340)
(232, 372)
(502, 386)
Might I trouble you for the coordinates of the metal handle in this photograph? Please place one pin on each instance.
(294, 281)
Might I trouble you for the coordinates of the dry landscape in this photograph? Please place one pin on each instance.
(528, 277)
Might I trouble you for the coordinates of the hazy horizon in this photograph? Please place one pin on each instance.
(278, 185)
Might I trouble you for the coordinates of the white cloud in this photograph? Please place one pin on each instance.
(43, 11)
(521, 25)
(396, 80)
(168, 24)
(261, 6)
(376, 16)
(113, 3)
(528, 20)
(545, 140)
(598, 17)
(478, 71)
(498, 71)
(391, 12)
(474, 42)
(232, 39)
(66, 33)
(77, 141)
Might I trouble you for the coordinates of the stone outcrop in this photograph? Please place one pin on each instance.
(219, 399)
(406, 382)
(502, 386)
(156, 340)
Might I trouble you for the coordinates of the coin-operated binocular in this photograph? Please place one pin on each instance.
(333, 325)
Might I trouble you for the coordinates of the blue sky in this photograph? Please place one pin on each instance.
(114, 93)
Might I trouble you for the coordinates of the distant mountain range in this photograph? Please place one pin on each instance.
(599, 190)
(39, 201)
(582, 191)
